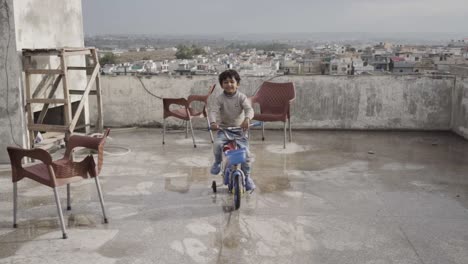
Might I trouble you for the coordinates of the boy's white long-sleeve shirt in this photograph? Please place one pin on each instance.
(232, 109)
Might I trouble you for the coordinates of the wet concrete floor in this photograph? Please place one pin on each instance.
(330, 197)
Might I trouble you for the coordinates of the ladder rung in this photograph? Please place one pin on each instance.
(43, 71)
(76, 52)
(79, 68)
(93, 92)
(43, 127)
(46, 101)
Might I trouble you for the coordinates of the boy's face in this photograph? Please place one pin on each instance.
(230, 85)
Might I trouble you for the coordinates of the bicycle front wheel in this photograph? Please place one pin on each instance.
(237, 189)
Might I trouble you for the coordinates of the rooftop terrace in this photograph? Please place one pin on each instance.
(330, 197)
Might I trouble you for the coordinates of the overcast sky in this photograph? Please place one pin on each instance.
(272, 16)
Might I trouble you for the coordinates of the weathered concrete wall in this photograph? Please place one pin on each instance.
(51, 24)
(374, 102)
(459, 70)
(460, 111)
(33, 24)
(322, 102)
(11, 113)
(127, 103)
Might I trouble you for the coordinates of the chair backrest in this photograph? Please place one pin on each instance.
(200, 98)
(16, 156)
(274, 98)
(95, 143)
(179, 102)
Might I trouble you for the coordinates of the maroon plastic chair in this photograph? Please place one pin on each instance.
(59, 172)
(275, 100)
(185, 111)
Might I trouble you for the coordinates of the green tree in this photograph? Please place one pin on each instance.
(184, 52)
(108, 58)
(198, 50)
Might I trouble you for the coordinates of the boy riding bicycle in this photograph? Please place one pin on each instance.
(234, 110)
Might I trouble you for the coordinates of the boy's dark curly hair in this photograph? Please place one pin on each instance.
(232, 74)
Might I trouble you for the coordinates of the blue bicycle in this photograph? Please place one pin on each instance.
(234, 156)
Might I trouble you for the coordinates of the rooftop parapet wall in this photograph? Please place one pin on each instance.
(322, 102)
(460, 111)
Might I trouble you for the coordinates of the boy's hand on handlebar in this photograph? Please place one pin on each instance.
(214, 126)
(245, 125)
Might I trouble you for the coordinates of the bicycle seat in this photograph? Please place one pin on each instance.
(229, 146)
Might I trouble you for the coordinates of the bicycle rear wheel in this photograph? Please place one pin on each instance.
(237, 190)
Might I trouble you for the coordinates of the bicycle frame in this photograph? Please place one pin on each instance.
(231, 165)
(233, 176)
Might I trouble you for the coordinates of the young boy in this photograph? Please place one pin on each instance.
(234, 110)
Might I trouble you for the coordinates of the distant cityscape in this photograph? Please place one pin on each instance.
(258, 57)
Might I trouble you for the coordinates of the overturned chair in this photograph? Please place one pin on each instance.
(59, 172)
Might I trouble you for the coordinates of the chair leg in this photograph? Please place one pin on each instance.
(15, 203)
(193, 136)
(164, 129)
(284, 140)
(209, 130)
(101, 199)
(59, 210)
(290, 130)
(186, 128)
(68, 197)
(263, 131)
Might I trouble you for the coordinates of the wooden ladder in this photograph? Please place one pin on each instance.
(60, 75)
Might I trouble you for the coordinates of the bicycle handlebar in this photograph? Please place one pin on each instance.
(233, 129)
(236, 129)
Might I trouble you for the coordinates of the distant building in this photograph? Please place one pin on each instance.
(290, 67)
(403, 67)
(184, 68)
(409, 56)
(426, 65)
(164, 66)
(204, 69)
(342, 66)
(108, 69)
(310, 66)
(147, 48)
(380, 63)
(134, 49)
(360, 67)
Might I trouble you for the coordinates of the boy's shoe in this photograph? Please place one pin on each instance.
(216, 168)
(249, 184)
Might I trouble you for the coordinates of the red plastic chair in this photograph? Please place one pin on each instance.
(59, 172)
(275, 100)
(186, 112)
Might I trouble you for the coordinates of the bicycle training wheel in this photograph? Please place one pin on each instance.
(237, 190)
(213, 186)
